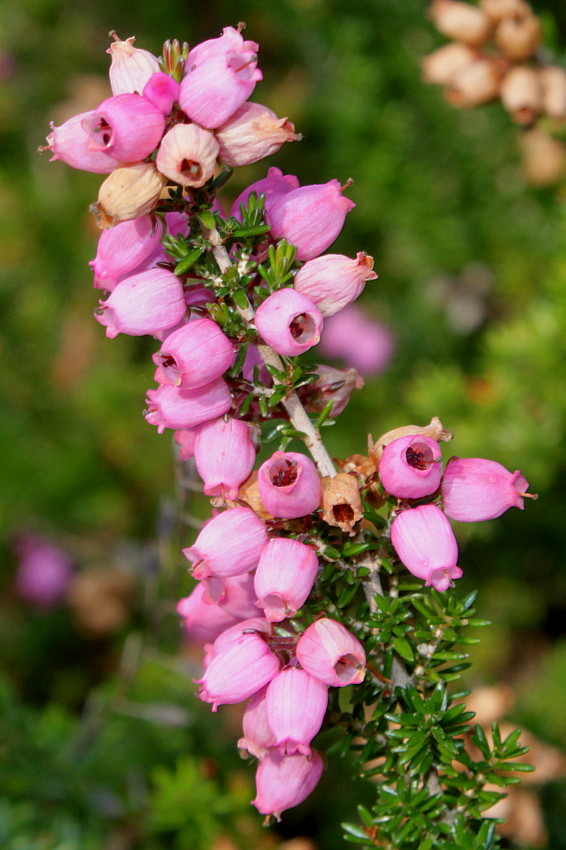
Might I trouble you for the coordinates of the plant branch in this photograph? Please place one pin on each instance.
(291, 402)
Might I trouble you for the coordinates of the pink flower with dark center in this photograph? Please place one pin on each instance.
(289, 485)
(410, 467)
(187, 155)
(194, 355)
(69, 143)
(127, 127)
(289, 322)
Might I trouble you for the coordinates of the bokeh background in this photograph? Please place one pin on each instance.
(103, 742)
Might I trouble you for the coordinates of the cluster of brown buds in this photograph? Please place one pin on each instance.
(494, 54)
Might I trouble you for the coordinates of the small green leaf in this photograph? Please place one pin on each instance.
(403, 648)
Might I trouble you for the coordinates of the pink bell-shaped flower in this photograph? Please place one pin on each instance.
(238, 670)
(194, 355)
(224, 455)
(220, 78)
(410, 467)
(330, 653)
(204, 620)
(127, 127)
(475, 489)
(69, 143)
(174, 407)
(131, 67)
(143, 303)
(283, 782)
(252, 133)
(231, 40)
(124, 247)
(296, 705)
(310, 217)
(274, 187)
(258, 738)
(289, 485)
(187, 155)
(289, 322)
(333, 280)
(425, 543)
(358, 340)
(230, 544)
(162, 90)
(284, 577)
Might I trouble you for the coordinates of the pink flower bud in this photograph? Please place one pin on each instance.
(143, 303)
(127, 127)
(332, 384)
(174, 407)
(230, 544)
(122, 248)
(283, 782)
(330, 653)
(224, 455)
(410, 467)
(204, 620)
(284, 578)
(252, 133)
(289, 485)
(425, 543)
(296, 705)
(187, 155)
(274, 187)
(69, 143)
(238, 671)
(310, 217)
(194, 355)
(162, 90)
(361, 342)
(44, 571)
(130, 68)
(289, 322)
(219, 80)
(475, 489)
(258, 738)
(185, 439)
(333, 281)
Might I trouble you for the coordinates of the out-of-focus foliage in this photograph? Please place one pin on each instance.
(472, 267)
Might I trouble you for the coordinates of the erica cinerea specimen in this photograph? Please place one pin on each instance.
(305, 568)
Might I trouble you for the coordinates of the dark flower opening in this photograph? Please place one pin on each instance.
(283, 473)
(419, 456)
(302, 327)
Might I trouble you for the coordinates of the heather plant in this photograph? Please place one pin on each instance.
(306, 599)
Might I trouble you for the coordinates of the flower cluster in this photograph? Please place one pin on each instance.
(470, 490)
(494, 55)
(234, 300)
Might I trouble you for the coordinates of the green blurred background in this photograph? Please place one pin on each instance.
(455, 231)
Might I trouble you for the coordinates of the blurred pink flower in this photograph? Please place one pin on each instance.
(44, 571)
(359, 341)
